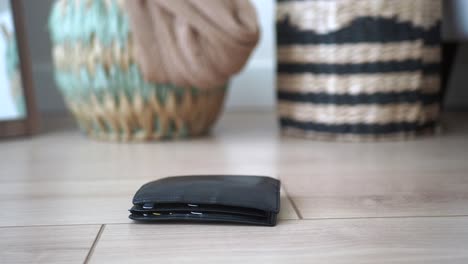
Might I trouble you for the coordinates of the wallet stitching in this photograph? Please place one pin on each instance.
(170, 199)
(266, 221)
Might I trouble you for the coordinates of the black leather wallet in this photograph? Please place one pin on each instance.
(251, 200)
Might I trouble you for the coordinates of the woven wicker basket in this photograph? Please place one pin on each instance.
(103, 86)
(358, 70)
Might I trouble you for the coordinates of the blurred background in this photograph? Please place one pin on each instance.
(255, 87)
(9, 111)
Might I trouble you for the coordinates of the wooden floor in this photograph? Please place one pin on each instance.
(64, 198)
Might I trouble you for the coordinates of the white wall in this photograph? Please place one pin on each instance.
(47, 96)
(8, 110)
(254, 88)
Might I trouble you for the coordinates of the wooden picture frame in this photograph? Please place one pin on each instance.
(28, 124)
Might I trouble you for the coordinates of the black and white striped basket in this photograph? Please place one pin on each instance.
(358, 69)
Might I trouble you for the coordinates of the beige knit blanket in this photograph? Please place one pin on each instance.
(192, 43)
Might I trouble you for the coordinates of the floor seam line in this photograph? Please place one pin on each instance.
(56, 225)
(304, 218)
(93, 246)
(293, 204)
(384, 217)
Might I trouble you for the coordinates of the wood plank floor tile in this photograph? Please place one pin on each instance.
(241, 144)
(398, 240)
(47, 244)
(422, 177)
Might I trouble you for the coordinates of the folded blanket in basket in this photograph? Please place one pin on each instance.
(192, 43)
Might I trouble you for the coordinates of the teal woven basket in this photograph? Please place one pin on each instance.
(103, 85)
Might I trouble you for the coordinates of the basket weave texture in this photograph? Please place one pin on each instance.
(358, 70)
(103, 85)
